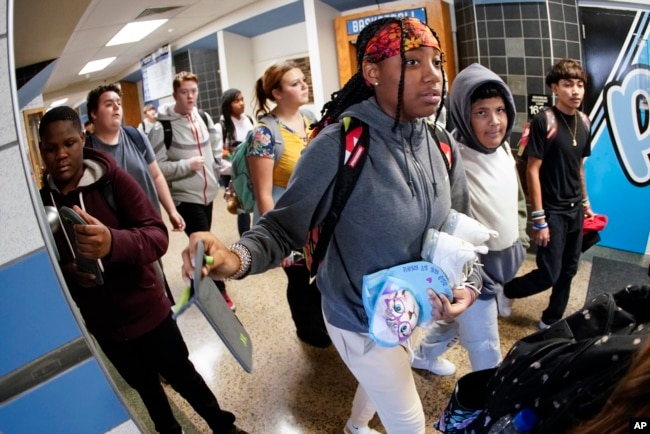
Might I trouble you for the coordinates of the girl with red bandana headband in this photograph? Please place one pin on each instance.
(403, 190)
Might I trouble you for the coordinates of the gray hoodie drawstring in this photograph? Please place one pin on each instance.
(433, 172)
(406, 162)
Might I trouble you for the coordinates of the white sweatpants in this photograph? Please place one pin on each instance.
(386, 383)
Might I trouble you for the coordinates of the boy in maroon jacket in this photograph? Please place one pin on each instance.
(129, 314)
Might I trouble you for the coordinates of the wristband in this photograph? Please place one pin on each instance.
(537, 213)
(540, 226)
(244, 260)
(472, 294)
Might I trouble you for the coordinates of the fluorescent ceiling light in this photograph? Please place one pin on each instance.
(96, 65)
(135, 31)
(59, 102)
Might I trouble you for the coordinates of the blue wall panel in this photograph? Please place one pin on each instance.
(78, 402)
(35, 317)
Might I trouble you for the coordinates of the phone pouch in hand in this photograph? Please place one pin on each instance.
(454, 256)
(467, 228)
(396, 300)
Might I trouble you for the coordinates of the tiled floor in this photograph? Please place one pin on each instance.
(297, 389)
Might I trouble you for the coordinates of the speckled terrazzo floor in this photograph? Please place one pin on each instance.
(297, 389)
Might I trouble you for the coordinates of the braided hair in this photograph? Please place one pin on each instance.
(357, 90)
(229, 131)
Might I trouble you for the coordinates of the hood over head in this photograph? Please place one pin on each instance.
(465, 83)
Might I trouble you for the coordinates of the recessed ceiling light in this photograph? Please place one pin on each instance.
(59, 102)
(96, 65)
(135, 31)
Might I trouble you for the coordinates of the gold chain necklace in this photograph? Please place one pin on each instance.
(575, 127)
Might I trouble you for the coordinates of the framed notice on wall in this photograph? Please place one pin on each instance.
(157, 74)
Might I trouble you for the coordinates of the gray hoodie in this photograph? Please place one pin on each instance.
(497, 199)
(403, 190)
(190, 138)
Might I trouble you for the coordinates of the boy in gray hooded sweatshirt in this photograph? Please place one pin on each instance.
(483, 113)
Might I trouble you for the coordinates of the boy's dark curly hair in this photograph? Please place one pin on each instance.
(356, 90)
(92, 100)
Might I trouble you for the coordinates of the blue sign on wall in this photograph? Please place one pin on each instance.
(356, 25)
(618, 170)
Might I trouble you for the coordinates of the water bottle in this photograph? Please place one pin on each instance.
(522, 422)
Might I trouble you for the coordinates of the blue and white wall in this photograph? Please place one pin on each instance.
(618, 171)
(50, 381)
(48, 369)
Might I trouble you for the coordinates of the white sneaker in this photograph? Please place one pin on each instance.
(504, 304)
(350, 428)
(439, 366)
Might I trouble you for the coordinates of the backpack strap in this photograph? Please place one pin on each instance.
(355, 143)
(133, 134)
(167, 132)
(551, 130)
(204, 116)
(443, 141)
(309, 115)
(167, 128)
(585, 121)
(551, 122)
(136, 138)
(276, 136)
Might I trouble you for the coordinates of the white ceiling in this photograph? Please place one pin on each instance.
(76, 31)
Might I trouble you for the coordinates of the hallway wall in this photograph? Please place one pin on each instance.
(47, 367)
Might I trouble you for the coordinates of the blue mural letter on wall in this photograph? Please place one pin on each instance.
(627, 115)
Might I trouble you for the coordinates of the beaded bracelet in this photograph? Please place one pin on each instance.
(586, 204)
(540, 226)
(244, 260)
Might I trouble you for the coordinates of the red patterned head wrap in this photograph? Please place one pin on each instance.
(386, 43)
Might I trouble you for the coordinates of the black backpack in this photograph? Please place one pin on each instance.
(564, 373)
(167, 128)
